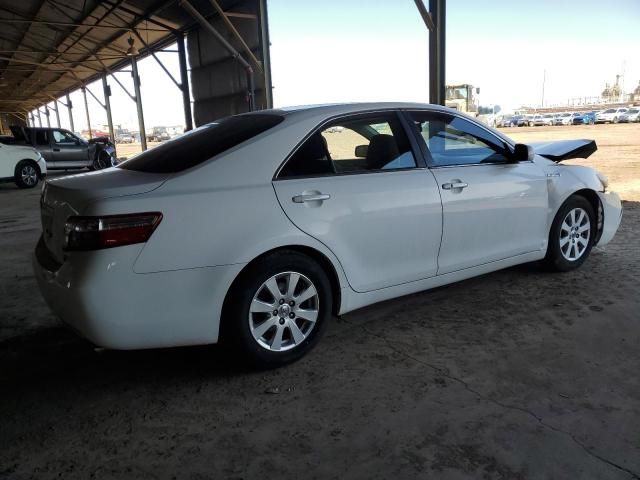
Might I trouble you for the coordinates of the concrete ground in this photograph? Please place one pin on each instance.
(519, 374)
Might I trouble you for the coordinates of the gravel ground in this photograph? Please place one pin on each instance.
(516, 374)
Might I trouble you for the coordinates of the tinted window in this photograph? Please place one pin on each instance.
(352, 145)
(41, 137)
(201, 144)
(456, 141)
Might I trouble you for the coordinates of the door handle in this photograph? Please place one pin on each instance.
(453, 186)
(313, 197)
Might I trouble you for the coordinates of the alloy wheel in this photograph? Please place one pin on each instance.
(284, 311)
(575, 232)
(29, 175)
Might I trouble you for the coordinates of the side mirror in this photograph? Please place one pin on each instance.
(522, 153)
(361, 151)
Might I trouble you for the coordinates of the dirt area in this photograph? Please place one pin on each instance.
(519, 374)
(618, 155)
(128, 150)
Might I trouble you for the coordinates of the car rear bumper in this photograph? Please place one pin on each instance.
(612, 213)
(99, 296)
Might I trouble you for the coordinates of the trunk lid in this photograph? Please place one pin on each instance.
(20, 133)
(68, 196)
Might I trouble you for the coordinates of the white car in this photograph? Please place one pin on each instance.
(22, 165)
(632, 115)
(611, 115)
(565, 118)
(541, 120)
(256, 228)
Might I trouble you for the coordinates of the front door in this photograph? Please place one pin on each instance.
(493, 209)
(355, 186)
(68, 151)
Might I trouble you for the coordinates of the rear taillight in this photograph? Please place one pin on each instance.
(93, 233)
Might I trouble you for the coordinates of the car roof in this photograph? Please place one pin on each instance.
(333, 109)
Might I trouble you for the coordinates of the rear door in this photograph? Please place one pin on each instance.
(492, 209)
(41, 140)
(68, 150)
(357, 185)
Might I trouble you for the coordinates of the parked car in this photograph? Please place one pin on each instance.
(520, 121)
(506, 121)
(611, 115)
(584, 118)
(541, 120)
(124, 138)
(631, 115)
(158, 134)
(63, 149)
(565, 118)
(22, 165)
(254, 229)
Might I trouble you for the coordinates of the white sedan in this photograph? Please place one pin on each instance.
(21, 165)
(255, 229)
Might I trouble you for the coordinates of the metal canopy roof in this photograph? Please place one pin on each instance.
(50, 47)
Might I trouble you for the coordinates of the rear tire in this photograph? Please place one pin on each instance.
(27, 174)
(277, 310)
(572, 234)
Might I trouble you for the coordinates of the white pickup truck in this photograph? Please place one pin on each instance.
(22, 165)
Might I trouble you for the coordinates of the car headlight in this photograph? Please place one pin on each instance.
(603, 180)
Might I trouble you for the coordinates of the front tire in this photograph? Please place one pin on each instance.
(277, 309)
(572, 235)
(26, 174)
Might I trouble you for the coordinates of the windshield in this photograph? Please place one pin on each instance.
(611, 110)
(633, 110)
(201, 144)
(548, 116)
(565, 115)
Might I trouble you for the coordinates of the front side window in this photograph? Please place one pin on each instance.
(353, 145)
(453, 140)
(62, 136)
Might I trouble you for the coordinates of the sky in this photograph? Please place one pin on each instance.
(352, 50)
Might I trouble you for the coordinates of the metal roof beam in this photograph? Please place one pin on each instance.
(75, 25)
(144, 17)
(236, 34)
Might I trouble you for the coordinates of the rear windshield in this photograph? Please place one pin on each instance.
(201, 144)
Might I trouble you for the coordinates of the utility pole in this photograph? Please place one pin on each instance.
(544, 78)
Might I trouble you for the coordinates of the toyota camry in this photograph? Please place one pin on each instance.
(257, 228)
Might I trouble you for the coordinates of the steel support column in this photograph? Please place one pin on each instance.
(223, 41)
(55, 102)
(47, 113)
(70, 110)
(266, 52)
(86, 109)
(184, 83)
(136, 86)
(437, 37)
(107, 106)
(39, 117)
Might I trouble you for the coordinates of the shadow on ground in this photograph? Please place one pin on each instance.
(516, 374)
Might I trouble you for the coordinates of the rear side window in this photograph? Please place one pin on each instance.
(42, 137)
(352, 145)
(201, 144)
